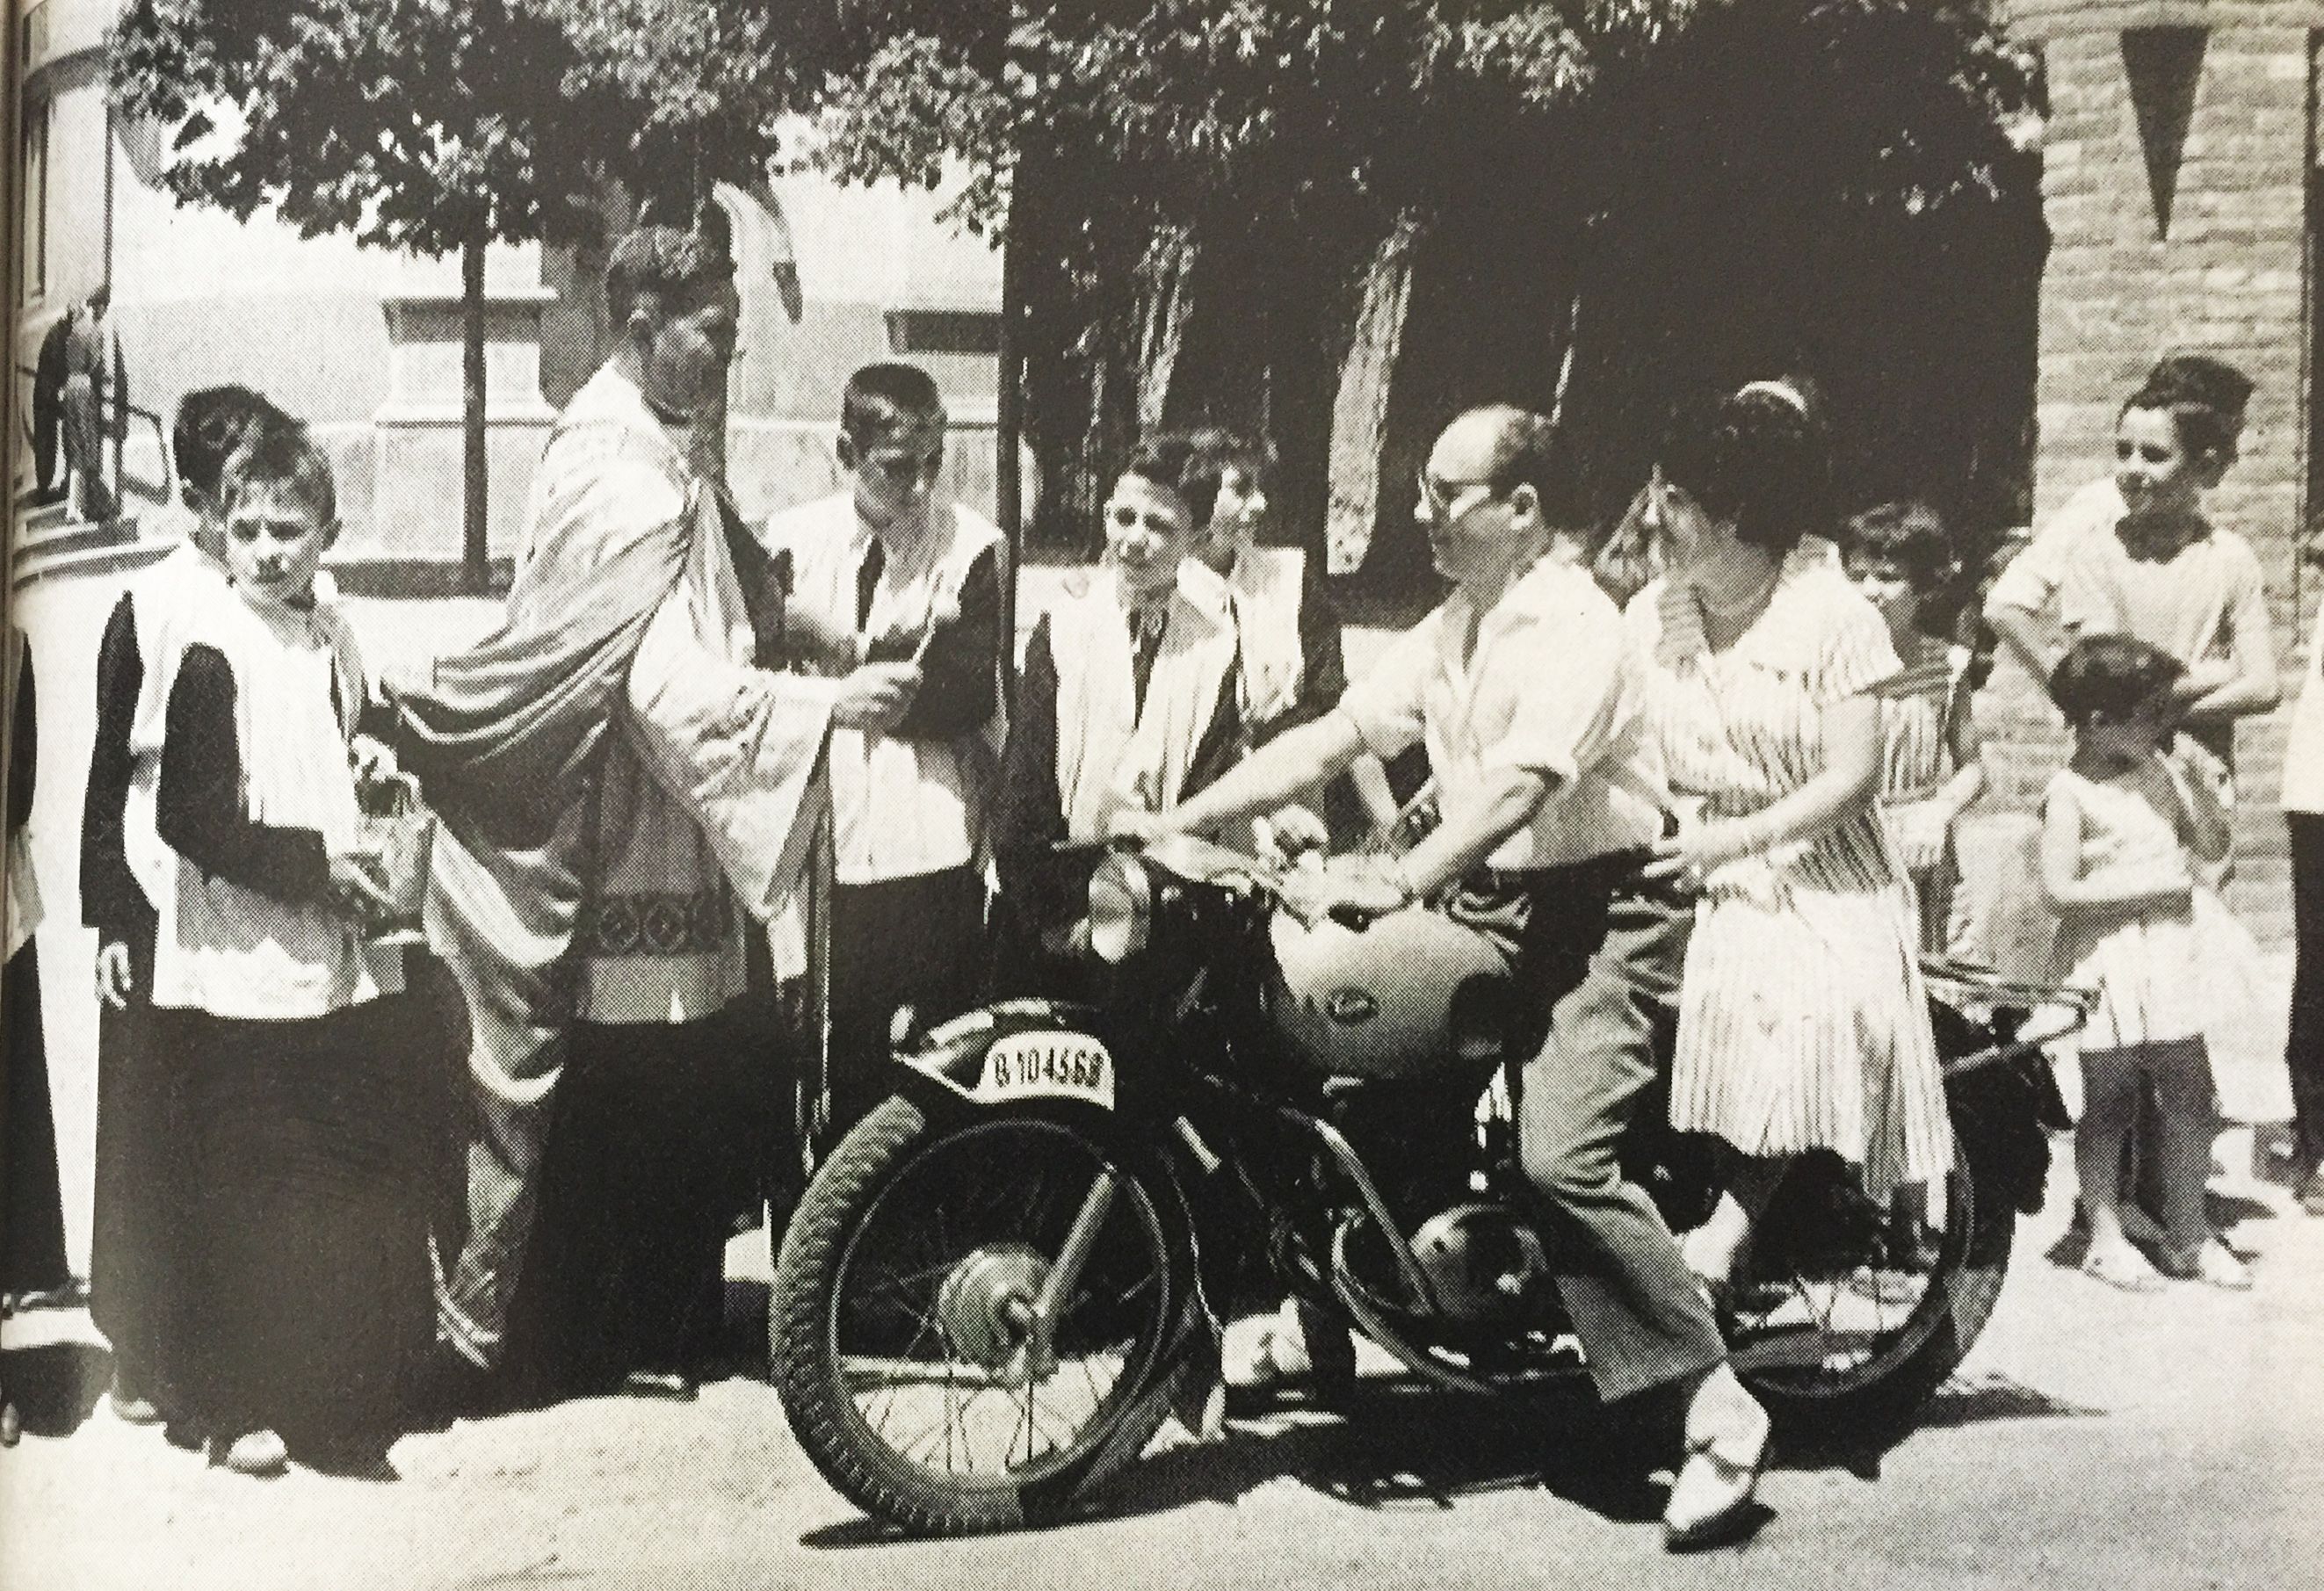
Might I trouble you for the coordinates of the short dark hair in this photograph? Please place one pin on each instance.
(1250, 457)
(1760, 456)
(2204, 397)
(2110, 677)
(1172, 460)
(1909, 533)
(286, 459)
(877, 395)
(664, 261)
(210, 423)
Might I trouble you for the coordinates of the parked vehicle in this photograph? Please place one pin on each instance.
(1001, 1282)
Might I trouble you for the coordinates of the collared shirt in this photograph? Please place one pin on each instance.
(909, 802)
(1552, 686)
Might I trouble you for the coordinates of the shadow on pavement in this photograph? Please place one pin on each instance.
(1995, 1397)
(55, 1387)
(1405, 1446)
(1957, 1403)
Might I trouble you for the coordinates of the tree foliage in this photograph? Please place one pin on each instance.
(1194, 104)
(419, 124)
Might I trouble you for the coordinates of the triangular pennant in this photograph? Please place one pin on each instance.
(2163, 65)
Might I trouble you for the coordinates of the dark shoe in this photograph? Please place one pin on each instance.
(450, 1386)
(676, 1386)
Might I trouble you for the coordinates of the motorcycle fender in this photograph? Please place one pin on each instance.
(2001, 1114)
(1015, 1053)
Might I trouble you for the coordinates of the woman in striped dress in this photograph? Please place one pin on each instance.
(1803, 1022)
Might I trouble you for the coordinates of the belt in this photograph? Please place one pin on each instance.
(1610, 866)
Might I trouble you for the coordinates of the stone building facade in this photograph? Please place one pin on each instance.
(364, 343)
(2180, 186)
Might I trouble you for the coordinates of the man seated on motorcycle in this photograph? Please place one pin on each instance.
(1527, 697)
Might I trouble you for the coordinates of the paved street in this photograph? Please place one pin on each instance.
(2094, 1440)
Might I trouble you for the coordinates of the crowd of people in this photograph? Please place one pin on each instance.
(1709, 765)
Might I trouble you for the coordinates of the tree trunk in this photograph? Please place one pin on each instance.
(1164, 304)
(1359, 407)
(475, 497)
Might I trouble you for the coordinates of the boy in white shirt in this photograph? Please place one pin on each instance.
(896, 572)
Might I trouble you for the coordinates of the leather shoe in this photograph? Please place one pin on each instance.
(132, 1410)
(258, 1453)
(1727, 1438)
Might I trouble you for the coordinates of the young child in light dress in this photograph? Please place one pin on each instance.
(2124, 828)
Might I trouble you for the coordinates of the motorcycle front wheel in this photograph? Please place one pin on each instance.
(1855, 1314)
(935, 1367)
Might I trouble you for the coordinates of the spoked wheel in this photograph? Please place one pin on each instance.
(963, 1322)
(1855, 1312)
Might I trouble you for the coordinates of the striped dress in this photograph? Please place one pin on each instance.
(1802, 1020)
(1918, 709)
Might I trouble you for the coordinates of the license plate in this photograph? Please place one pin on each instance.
(1047, 1066)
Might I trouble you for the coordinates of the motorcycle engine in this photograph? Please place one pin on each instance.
(1482, 1261)
(1411, 993)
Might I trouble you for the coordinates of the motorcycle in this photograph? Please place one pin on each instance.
(1001, 1282)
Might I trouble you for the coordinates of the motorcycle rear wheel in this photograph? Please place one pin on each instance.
(1852, 1351)
(893, 1331)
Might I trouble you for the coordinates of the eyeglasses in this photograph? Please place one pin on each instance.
(1448, 500)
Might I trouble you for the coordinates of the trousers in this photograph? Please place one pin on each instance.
(899, 942)
(2303, 1052)
(1601, 957)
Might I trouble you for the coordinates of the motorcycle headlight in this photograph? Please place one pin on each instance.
(1120, 909)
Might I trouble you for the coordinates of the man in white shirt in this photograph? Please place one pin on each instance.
(896, 572)
(1531, 705)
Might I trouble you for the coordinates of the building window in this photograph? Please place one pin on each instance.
(35, 189)
(975, 332)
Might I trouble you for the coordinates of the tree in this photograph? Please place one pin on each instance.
(1304, 163)
(439, 126)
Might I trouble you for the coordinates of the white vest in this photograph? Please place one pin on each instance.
(901, 808)
(1110, 755)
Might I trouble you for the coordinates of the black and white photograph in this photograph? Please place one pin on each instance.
(1210, 794)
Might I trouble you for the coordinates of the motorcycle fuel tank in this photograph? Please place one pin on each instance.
(1411, 992)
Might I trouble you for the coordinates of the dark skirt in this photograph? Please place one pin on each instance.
(659, 1128)
(306, 1300)
(32, 1254)
(134, 1233)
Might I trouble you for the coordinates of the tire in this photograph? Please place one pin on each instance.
(1840, 1395)
(886, 1313)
